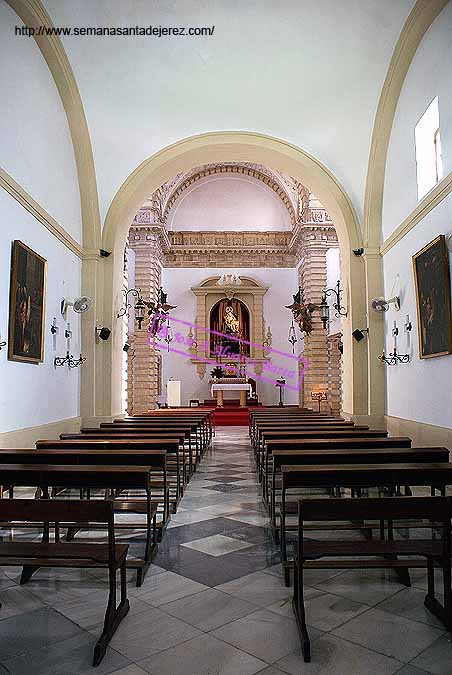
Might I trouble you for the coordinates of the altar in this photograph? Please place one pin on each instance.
(243, 388)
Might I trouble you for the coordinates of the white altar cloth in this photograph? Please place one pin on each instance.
(231, 387)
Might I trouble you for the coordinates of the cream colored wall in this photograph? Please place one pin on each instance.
(27, 437)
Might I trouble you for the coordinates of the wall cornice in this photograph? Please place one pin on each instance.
(37, 211)
(427, 204)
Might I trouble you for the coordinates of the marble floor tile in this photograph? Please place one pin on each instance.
(252, 518)
(130, 670)
(409, 603)
(264, 634)
(437, 658)
(26, 632)
(220, 509)
(141, 635)
(209, 609)
(89, 612)
(332, 656)
(71, 657)
(203, 655)
(383, 632)
(217, 545)
(258, 588)
(369, 587)
(215, 571)
(412, 670)
(166, 587)
(327, 611)
(187, 517)
(17, 600)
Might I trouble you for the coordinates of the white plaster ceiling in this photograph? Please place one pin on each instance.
(307, 71)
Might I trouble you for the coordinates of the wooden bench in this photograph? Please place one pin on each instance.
(327, 442)
(128, 447)
(380, 554)
(436, 475)
(33, 555)
(105, 477)
(201, 424)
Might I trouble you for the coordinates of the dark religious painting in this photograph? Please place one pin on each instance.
(26, 305)
(431, 275)
(230, 329)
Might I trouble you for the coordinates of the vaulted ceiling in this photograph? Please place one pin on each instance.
(308, 72)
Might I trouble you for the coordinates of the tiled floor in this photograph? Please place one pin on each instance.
(215, 602)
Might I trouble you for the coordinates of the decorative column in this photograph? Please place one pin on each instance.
(144, 389)
(312, 275)
(334, 374)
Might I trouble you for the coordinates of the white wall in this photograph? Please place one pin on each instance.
(36, 147)
(430, 75)
(31, 395)
(308, 72)
(177, 283)
(229, 203)
(421, 389)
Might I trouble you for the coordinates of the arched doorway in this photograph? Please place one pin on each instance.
(248, 147)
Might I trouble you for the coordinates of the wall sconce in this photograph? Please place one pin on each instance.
(54, 328)
(408, 326)
(319, 396)
(394, 358)
(154, 309)
(324, 307)
(69, 359)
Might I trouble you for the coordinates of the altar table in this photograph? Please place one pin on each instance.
(218, 389)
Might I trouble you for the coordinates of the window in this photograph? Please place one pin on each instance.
(429, 165)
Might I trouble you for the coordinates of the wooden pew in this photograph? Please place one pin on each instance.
(195, 431)
(385, 553)
(202, 422)
(175, 463)
(159, 473)
(436, 475)
(327, 441)
(33, 555)
(104, 477)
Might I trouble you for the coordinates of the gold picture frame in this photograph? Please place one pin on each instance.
(433, 299)
(26, 305)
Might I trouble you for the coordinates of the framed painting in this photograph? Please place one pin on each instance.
(432, 282)
(26, 305)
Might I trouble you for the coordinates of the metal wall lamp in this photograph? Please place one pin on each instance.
(69, 360)
(324, 307)
(393, 359)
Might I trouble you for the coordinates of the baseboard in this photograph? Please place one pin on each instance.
(373, 421)
(26, 438)
(427, 435)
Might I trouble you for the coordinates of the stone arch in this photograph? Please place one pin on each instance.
(239, 147)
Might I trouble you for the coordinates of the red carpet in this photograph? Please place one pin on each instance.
(231, 417)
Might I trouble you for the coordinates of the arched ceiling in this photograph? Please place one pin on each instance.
(308, 72)
(298, 204)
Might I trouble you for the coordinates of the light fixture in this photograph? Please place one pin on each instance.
(157, 312)
(69, 360)
(394, 358)
(324, 307)
(319, 396)
(292, 337)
